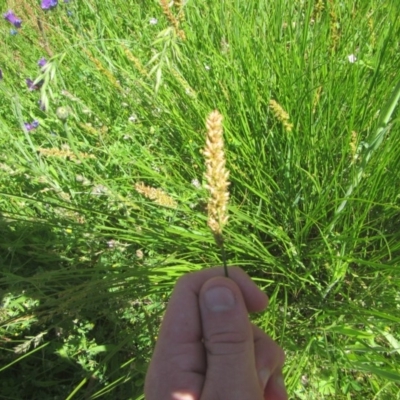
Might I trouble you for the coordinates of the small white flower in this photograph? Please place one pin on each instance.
(82, 180)
(111, 243)
(352, 58)
(153, 21)
(139, 254)
(99, 190)
(207, 67)
(196, 183)
(132, 118)
(62, 113)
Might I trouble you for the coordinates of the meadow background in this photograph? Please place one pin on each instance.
(120, 97)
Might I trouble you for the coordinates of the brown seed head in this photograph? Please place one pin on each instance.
(216, 176)
(157, 195)
(175, 22)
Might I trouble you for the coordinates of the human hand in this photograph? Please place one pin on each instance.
(207, 348)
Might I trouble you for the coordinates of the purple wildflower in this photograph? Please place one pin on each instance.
(48, 4)
(42, 62)
(33, 86)
(30, 84)
(12, 19)
(32, 126)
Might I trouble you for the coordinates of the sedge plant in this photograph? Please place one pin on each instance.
(102, 212)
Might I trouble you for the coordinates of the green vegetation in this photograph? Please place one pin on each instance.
(87, 262)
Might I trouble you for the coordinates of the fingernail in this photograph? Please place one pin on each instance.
(219, 298)
(264, 375)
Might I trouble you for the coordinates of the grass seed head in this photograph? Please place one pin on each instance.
(334, 25)
(175, 22)
(65, 153)
(318, 9)
(281, 115)
(157, 195)
(216, 176)
(354, 145)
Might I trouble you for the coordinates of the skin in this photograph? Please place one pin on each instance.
(207, 348)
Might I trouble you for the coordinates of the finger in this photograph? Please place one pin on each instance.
(255, 299)
(269, 356)
(229, 343)
(275, 389)
(179, 353)
(182, 323)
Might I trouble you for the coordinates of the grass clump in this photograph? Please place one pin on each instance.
(88, 260)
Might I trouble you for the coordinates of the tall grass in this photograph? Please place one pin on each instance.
(88, 262)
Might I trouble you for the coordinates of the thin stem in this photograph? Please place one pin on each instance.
(224, 260)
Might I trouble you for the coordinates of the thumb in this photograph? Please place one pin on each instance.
(229, 343)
